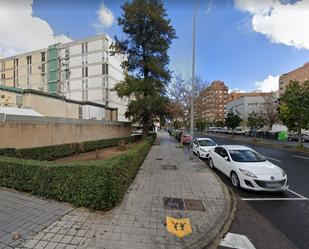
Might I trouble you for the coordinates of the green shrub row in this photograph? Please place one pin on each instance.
(53, 152)
(94, 184)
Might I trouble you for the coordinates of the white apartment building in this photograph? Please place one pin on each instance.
(88, 72)
(80, 70)
(245, 105)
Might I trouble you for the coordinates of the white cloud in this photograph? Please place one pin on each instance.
(270, 84)
(280, 21)
(236, 90)
(105, 18)
(20, 30)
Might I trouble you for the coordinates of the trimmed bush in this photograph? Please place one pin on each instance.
(93, 184)
(54, 152)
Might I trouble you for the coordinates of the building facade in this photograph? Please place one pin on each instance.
(300, 74)
(81, 70)
(211, 103)
(236, 95)
(51, 105)
(245, 105)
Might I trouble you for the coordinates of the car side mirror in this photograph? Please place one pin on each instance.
(226, 158)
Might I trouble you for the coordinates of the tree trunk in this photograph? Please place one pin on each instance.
(145, 129)
(300, 141)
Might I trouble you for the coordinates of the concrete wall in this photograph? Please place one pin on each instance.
(25, 132)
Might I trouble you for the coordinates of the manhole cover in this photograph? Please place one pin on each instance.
(159, 158)
(196, 205)
(174, 203)
(169, 167)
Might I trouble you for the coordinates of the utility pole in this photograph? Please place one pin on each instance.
(193, 73)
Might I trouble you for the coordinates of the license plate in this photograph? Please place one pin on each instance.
(273, 185)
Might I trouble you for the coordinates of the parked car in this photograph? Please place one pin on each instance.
(201, 146)
(186, 138)
(247, 169)
(294, 137)
(239, 131)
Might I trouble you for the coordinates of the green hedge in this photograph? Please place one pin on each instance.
(94, 184)
(53, 152)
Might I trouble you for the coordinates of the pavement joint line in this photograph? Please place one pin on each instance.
(306, 158)
(293, 192)
(270, 158)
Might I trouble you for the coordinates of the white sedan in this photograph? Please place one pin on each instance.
(247, 169)
(201, 146)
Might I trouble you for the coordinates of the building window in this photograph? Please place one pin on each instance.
(29, 60)
(43, 68)
(84, 47)
(16, 63)
(67, 52)
(104, 68)
(43, 56)
(3, 76)
(84, 71)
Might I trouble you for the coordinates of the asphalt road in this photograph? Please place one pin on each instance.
(274, 220)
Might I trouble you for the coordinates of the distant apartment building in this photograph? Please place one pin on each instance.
(300, 74)
(236, 95)
(245, 105)
(211, 103)
(81, 70)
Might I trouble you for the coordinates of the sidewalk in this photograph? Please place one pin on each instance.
(139, 222)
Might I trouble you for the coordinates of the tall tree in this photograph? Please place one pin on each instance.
(200, 124)
(179, 90)
(149, 34)
(294, 107)
(232, 120)
(256, 121)
(269, 110)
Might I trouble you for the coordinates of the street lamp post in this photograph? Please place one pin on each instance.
(193, 75)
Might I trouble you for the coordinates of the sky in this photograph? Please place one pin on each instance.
(246, 43)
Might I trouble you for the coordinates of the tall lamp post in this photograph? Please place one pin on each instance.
(193, 74)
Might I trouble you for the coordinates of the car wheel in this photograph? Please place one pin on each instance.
(211, 163)
(235, 180)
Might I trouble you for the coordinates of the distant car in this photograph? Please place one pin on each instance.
(185, 138)
(201, 146)
(239, 131)
(294, 137)
(247, 169)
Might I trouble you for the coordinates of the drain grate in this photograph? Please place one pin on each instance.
(159, 159)
(195, 205)
(169, 167)
(183, 204)
(174, 203)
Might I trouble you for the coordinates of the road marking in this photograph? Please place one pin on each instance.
(307, 158)
(276, 160)
(239, 241)
(293, 192)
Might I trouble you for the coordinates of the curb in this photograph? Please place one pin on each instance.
(225, 220)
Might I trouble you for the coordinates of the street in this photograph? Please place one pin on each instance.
(274, 220)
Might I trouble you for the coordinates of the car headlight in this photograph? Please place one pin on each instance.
(247, 173)
(204, 150)
(283, 173)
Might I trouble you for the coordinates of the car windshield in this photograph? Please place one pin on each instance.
(246, 156)
(206, 143)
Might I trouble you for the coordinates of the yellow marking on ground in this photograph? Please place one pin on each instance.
(178, 227)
